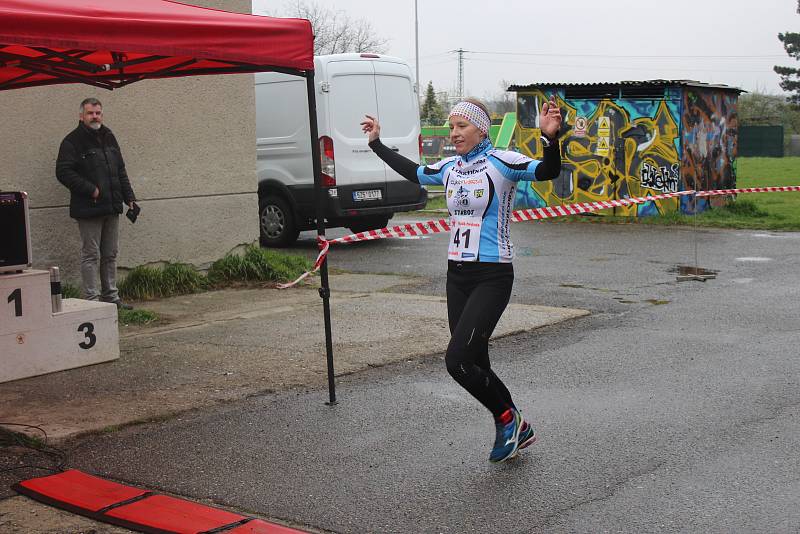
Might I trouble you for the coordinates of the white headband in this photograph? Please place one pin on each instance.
(473, 114)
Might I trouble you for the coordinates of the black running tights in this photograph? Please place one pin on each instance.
(477, 295)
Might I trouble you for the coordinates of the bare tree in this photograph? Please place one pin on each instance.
(502, 101)
(506, 100)
(334, 31)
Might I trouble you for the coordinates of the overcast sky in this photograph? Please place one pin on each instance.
(717, 41)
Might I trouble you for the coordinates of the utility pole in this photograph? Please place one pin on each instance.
(460, 83)
(416, 46)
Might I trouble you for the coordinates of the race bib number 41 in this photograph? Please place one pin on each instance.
(465, 234)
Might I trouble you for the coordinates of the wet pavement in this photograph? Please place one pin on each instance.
(671, 408)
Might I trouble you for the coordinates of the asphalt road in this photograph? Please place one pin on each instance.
(672, 408)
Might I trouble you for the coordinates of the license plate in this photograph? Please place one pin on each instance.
(369, 194)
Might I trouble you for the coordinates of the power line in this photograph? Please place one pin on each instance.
(440, 54)
(598, 66)
(631, 56)
(620, 56)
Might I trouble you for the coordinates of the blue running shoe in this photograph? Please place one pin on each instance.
(527, 435)
(506, 438)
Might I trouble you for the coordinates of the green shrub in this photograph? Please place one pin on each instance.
(153, 282)
(257, 265)
(181, 278)
(234, 267)
(141, 283)
(285, 267)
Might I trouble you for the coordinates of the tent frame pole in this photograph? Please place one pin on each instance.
(319, 203)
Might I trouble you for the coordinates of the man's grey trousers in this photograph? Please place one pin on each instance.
(100, 243)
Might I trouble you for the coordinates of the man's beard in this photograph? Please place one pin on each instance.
(95, 125)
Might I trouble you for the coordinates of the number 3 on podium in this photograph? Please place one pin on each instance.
(88, 331)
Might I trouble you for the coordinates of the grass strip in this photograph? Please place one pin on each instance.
(255, 265)
(137, 317)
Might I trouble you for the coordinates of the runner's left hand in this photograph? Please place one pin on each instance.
(550, 118)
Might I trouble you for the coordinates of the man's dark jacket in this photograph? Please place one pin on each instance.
(89, 159)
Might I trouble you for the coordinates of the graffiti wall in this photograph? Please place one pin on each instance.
(616, 147)
(710, 134)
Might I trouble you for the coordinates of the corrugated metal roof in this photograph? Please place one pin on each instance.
(629, 83)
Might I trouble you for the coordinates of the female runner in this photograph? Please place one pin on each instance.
(480, 183)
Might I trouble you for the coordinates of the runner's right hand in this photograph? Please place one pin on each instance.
(371, 127)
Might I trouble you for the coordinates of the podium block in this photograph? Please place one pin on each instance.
(36, 341)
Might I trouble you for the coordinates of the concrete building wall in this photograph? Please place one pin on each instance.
(189, 147)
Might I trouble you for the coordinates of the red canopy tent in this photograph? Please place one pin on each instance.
(112, 43)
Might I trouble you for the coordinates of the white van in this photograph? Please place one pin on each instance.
(361, 192)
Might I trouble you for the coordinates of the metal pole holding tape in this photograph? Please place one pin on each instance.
(55, 289)
(695, 273)
(319, 202)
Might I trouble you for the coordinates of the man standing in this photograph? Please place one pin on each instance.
(90, 165)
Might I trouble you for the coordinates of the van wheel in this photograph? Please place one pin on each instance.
(364, 224)
(276, 222)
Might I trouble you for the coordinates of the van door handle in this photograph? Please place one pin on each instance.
(395, 149)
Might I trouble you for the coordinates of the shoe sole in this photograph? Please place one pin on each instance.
(530, 441)
(511, 455)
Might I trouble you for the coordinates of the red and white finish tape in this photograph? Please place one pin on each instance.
(586, 207)
(748, 190)
(535, 214)
(323, 245)
(443, 225)
(403, 230)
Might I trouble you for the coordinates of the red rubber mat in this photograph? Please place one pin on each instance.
(139, 509)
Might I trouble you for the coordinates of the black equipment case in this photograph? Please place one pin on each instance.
(15, 235)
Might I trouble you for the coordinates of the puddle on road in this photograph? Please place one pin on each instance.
(754, 258)
(621, 300)
(688, 270)
(581, 286)
(777, 236)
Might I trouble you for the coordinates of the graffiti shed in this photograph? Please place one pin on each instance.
(632, 139)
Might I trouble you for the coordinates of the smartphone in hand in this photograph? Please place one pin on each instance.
(133, 212)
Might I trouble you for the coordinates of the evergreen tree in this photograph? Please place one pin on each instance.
(790, 77)
(431, 112)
